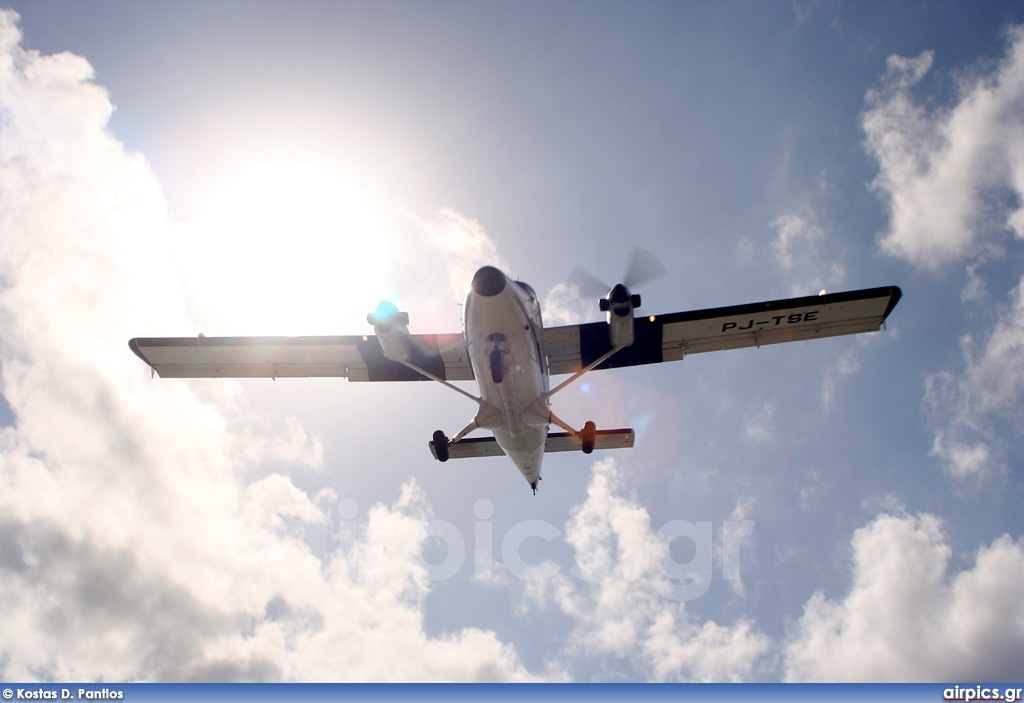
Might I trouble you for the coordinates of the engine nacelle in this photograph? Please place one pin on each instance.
(620, 328)
(619, 305)
(392, 330)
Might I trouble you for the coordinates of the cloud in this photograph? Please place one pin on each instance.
(970, 413)
(952, 179)
(797, 249)
(462, 246)
(135, 544)
(623, 604)
(564, 305)
(433, 263)
(944, 173)
(759, 422)
(906, 619)
(847, 364)
(805, 10)
(795, 231)
(361, 616)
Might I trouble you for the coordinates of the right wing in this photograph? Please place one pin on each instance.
(355, 357)
(671, 337)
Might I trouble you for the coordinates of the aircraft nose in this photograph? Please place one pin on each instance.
(488, 281)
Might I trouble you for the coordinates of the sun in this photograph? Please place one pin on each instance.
(287, 247)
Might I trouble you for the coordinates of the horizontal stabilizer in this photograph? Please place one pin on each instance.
(557, 442)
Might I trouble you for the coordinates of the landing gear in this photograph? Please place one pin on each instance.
(441, 446)
(588, 436)
(497, 365)
(533, 485)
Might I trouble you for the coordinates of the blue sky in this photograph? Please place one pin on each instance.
(853, 505)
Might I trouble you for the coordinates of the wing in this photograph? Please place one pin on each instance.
(673, 336)
(357, 358)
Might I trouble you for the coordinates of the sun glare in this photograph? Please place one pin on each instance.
(287, 248)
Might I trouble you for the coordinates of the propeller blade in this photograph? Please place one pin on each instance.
(589, 285)
(644, 267)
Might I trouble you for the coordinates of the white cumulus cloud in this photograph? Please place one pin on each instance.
(976, 412)
(133, 543)
(627, 604)
(952, 178)
(940, 169)
(907, 618)
(800, 249)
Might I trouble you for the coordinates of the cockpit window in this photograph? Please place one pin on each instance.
(527, 288)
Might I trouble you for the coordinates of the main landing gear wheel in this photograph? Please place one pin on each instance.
(441, 446)
(588, 436)
(497, 365)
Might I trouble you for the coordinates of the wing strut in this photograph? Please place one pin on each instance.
(443, 382)
(589, 367)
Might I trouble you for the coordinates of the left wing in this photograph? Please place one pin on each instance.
(671, 337)
(355, 357)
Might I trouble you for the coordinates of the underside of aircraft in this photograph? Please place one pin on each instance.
(507, 350)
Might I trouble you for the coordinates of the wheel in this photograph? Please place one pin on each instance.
(441, 446)
(588, 436)
(497, 365)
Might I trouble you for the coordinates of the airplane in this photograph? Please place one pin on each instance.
(512, 356)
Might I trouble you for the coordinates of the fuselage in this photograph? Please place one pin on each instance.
(504, 336)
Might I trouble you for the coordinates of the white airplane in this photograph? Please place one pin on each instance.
(507, 350)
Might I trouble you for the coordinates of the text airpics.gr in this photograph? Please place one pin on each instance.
(673, 580)
(982, 693)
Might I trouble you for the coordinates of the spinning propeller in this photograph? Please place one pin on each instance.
(644, 267)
